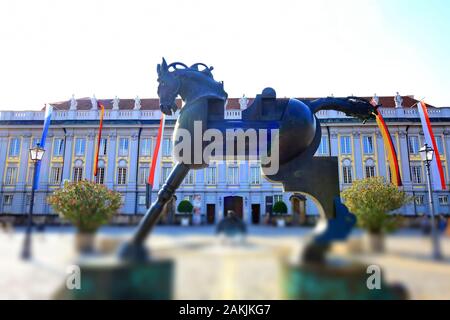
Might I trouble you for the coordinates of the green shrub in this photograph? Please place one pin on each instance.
(85, 204)
(280, 208)
(371, 200)
(185, 206)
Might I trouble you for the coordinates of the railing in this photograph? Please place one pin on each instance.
(400, 113)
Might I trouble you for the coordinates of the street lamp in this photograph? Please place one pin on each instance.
(427, 153)
(36, 155)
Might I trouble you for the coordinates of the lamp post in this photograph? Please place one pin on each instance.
(426, 153)
(36, 155)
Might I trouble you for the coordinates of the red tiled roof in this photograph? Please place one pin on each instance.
(232, 104)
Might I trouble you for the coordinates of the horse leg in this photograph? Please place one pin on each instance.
(135, 249)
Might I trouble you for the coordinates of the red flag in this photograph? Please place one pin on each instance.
(156, 157)
(437, 172)
(99, 139)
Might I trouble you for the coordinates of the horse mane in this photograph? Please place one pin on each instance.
(203, 77)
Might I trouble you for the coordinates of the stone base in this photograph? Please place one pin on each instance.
(335, 281)
(109, 278)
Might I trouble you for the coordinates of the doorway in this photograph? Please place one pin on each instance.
(210, 213)
(298, 204)
(256, 213)
(234, 203)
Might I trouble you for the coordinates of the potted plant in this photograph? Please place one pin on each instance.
(86, 205)
(371, 200)
(280, 209)
(185, 208)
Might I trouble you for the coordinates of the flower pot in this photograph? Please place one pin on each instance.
(84, 242)
(281, 223)
(185, 222)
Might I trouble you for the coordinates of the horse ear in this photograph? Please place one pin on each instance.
(164, 65)
(158, 69)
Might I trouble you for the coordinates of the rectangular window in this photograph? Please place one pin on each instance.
(347, 174)
(55, 175)
(165, 173)
(143, 175)
(141, 200)
(14, 147)
(8, 199)
(323, 147)
(100, 178)
(416, 173)
(277, 198)
(123, 147)
(370, 171)
(233, 175)
(255, 175)
(440, 145)
(167, 147)
(146, 147)
(211, 178)
(368, 144)
(419, 200)
(122, 176)
(346, 146)
(413, 145)
(58, 147)
(11, 176)
(103, 147)
(443, 200)
(80, 146)
(77, 174)
(30, 176)
(189, 179)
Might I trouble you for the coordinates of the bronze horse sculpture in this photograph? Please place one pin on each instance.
(298, 137)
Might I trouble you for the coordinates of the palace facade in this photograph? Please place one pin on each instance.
(129, 134)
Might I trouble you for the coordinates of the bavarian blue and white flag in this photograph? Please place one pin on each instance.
(47, 120)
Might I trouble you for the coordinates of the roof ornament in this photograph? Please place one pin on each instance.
(116, 103)
(137, 103)
(73, 103)
(243, 102)
(94, 102)
(376, 99)
(398, 101)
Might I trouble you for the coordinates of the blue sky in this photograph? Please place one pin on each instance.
(53, 49)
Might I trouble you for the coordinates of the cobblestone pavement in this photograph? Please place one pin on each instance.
(206, 269)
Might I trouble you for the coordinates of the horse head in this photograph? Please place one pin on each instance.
(168, 88)
(361, 109)
(171, 83)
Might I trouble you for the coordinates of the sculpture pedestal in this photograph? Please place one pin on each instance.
(110, 278)
(339, 280)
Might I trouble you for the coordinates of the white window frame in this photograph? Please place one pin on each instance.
(77, 174)
(122, 176)
(347, 174)
(368, 147)
(346, 144)
(55, 175)
(80, 146)
(58, 147)
(14, 147)
(211, 175)
(146, 147)
(124, 147)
